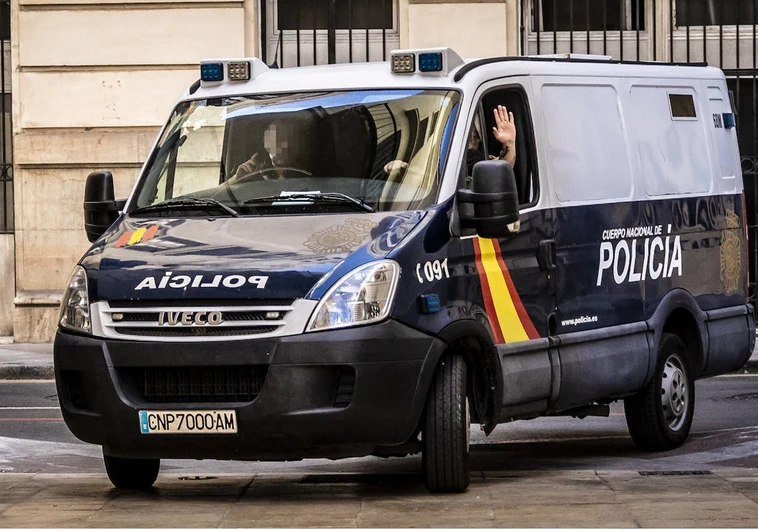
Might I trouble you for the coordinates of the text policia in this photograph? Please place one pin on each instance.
(661, 255)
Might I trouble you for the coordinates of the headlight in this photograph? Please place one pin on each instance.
(363, 296)
(75, 304)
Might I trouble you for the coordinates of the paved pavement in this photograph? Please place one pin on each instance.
(542, 476)
(557, 498)
(34, 361)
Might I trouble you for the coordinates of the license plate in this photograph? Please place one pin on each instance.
(164, 422)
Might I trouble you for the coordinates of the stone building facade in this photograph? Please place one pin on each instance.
(93, 80)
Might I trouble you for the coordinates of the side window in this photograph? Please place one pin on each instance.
(511, 139)
(516, 131)
(586, 143)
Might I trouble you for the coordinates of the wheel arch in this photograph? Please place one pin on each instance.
(485, 377)
(679, 314)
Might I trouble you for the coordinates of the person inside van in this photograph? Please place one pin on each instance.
(504, 131)
(282, 149)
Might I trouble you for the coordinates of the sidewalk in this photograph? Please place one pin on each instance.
(27, 361)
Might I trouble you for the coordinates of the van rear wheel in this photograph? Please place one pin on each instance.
(131, 473)
(659, 417)
(447, 429)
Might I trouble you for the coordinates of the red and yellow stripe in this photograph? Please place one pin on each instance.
(508, 318)
(140, 235)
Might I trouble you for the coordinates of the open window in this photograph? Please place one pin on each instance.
(525, 167)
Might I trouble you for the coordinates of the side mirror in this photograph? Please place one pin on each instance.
(100, 207)
(494, 197)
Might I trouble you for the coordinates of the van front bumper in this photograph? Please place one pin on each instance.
(332, 394)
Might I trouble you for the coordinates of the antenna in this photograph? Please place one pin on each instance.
(276, 52)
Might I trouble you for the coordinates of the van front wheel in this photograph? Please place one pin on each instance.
(660, 416)
(447, 428)
(131, 473)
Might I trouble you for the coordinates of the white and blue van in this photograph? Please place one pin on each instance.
(348, 260)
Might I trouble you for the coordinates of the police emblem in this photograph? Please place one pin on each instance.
(340, 238)
(731, 263)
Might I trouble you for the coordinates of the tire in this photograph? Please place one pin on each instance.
(659, 417)
(131, 473)
(446, 431)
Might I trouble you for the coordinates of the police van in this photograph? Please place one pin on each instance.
(365, 259)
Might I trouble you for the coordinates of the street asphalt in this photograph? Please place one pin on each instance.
(547, 472)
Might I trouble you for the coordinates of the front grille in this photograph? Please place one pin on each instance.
(164, 385)
(204, 331)
(166, 319)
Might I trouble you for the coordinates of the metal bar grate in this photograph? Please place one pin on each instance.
(6, 130)
(311, 32)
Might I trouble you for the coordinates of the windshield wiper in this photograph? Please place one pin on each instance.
(331, 197)
(180, 202)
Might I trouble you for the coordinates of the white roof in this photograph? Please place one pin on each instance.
(378, 75)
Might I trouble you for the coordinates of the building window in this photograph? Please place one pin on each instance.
(588, 15)
(715, 12)
(348, 14)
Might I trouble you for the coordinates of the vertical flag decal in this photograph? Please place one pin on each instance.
(487, 294)
(509, 320)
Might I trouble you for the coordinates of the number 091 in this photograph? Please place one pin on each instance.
(430, 271)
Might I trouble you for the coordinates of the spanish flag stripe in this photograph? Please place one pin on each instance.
(526, 321)
(510, 324)
(123, 239)
(488, 303)
(150, 233)
(137, 236)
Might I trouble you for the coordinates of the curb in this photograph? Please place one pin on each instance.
(27, 372)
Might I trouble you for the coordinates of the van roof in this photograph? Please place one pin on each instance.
(378, 75)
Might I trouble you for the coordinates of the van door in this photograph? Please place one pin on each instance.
(599, 228)
(517, 281)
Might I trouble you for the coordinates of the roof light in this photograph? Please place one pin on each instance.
(404, 63)
(239, 71)
(430, 62)
(212, 71)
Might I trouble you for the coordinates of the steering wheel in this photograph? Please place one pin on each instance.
(265, 171)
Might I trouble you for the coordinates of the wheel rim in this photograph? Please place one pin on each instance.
(674, 392)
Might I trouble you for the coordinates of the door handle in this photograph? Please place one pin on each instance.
(546, 255)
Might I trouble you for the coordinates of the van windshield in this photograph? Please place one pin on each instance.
(384, 148)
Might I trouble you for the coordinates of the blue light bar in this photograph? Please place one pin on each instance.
(430, 62)
(212, 72)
